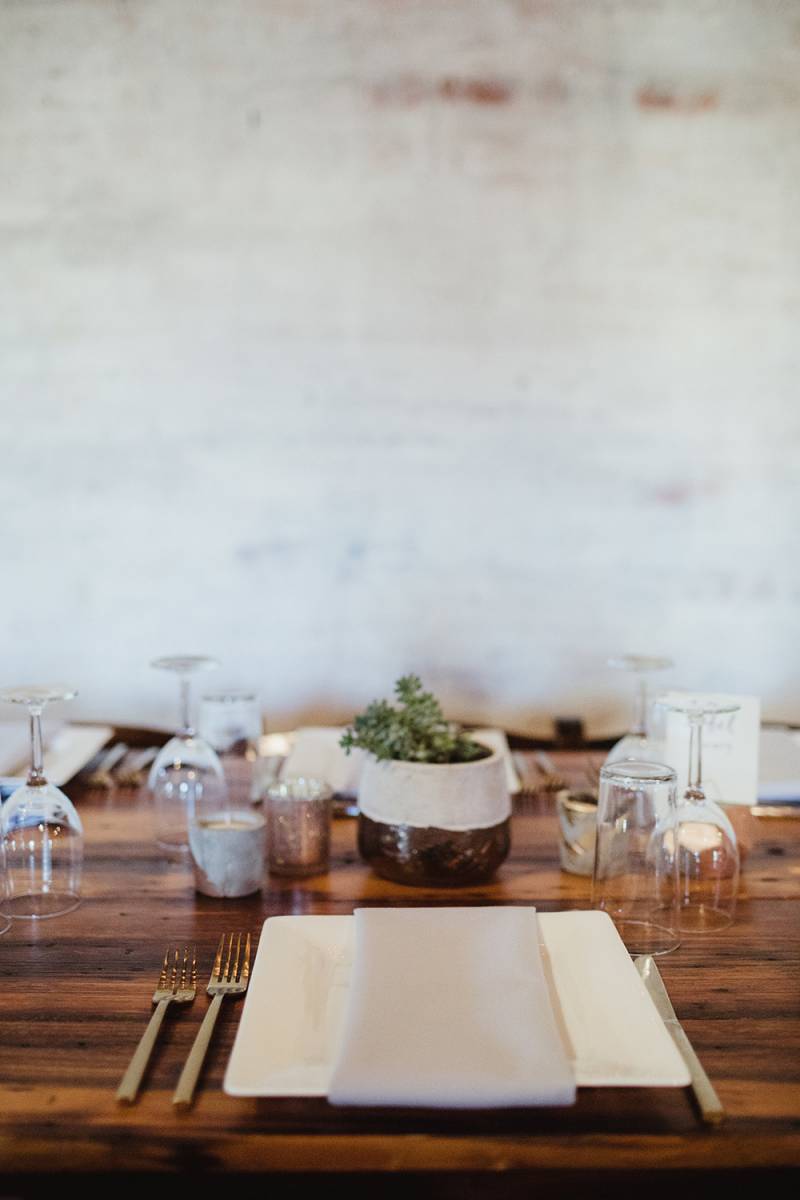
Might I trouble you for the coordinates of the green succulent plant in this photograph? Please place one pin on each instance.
(413, 730)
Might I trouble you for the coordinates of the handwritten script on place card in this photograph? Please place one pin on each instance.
(730, 747)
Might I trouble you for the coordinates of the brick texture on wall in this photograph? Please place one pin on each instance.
(340, 340)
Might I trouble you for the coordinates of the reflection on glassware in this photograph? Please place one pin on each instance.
(635, 877)
(41, 830)
(708, 854)
(185, 766)
(640, 741)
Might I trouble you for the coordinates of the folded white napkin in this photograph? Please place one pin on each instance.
(449, 1007)
(316, 752)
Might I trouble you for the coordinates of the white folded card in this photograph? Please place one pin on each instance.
(316, 752)
(449, 1007)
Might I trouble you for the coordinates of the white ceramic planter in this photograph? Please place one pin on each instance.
(434, 824)
(453, 796)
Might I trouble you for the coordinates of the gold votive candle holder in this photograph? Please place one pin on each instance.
(298, 826)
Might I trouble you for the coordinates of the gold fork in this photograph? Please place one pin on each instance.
(551, 780)
(177, 983)
(227, 979)
(131, 773)
(101, 776)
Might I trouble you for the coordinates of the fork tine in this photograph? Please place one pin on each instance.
(228, 959)
(194, 966)
(217, 971)
(184, 966)
(162, 979)
(235, 975)
(246, 963)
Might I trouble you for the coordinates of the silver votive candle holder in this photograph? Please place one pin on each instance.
(298, 826)
(577, 825)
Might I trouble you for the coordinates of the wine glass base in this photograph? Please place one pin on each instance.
(646, 937)
(703, 918)
(5, 925)
(37, 906)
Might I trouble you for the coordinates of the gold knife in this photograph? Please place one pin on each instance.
(707, 1099)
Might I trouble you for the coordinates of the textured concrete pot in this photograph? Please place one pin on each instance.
(434, 824)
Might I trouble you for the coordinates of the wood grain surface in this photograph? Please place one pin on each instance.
(76, 997)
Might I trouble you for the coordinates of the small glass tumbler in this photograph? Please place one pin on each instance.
(635, 876)
(230, 721)
(298, 826)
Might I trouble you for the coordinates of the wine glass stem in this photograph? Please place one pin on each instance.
(36, 774)
(696, 753)
(186, 719)
(640, 711)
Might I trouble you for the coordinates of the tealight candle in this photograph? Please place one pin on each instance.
(228, 852)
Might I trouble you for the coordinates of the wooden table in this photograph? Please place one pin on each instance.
(76, 997)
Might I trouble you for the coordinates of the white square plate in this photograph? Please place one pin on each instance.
(295, 1005)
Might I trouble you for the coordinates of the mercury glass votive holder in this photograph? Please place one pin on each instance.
(298, 826)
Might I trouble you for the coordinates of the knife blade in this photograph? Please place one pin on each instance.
(708, 1101)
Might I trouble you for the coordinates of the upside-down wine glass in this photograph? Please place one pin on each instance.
(708, 855)
(186, 767)
(41, 830)
(639, 743)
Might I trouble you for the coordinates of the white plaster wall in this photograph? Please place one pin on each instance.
(345, 339)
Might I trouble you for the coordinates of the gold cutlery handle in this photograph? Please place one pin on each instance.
(126, 1092)
(707, 1099)
(191, 1070)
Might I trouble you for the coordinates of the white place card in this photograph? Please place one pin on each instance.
(730, 747)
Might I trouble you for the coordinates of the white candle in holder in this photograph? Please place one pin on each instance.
(228, 852)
